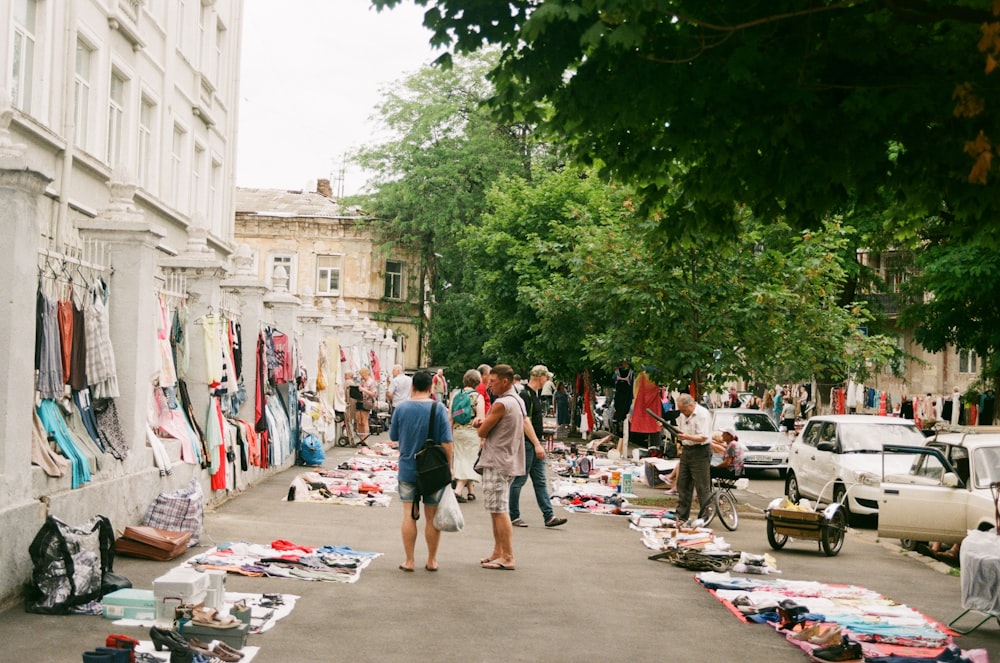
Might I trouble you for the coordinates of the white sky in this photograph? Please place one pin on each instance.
(311, 76)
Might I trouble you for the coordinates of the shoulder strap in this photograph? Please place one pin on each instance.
(430, 422)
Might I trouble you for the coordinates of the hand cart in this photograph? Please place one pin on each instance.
(828, 526)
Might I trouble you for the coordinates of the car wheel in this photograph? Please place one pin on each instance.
(840, 495)
(908, 544)
(792, 488)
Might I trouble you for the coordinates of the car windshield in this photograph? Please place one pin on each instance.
(862, 437)
(987, 466)
(744, 421)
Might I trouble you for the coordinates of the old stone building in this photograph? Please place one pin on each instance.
(332, 260)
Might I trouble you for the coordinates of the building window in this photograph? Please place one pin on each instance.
(116, 118)
(286, 260)
(967, 361)
(220, 36)
(23, 56)
(144, 143)
(176, 165)
(181, 23)
(393, 279)
(214, 202)
(328, 275)
(197, 166)
(81, 97)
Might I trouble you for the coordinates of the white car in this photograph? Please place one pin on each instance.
(764, 448)
(838, 458)
(945, 492)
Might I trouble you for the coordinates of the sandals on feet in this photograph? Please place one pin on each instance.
(471, 497)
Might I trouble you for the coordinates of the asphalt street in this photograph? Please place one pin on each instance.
(582, 592)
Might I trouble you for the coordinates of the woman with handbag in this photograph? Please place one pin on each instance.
(413, 422)
(369, 392)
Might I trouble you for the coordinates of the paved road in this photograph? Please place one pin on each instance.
(583, 592)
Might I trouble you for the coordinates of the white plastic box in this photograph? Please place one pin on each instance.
(178, 587)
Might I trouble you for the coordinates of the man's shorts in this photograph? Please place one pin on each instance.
(496, 491)
(408, 490)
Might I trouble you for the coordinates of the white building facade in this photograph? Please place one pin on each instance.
(117, 161)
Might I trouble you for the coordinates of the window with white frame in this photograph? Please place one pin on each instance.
(328, 275)
(116, 118)
(81, 96)
(144, 153)
(176, 166)
(155, 9)
(181, 23)
(393, 279)
(220, 41)
(197, 170)
(214, 200)
(967, 361)
(286, 260)
(202, 27)
(22, 62)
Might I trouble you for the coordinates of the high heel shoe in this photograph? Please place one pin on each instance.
(172, 640)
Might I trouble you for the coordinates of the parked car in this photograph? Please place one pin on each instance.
(839, 458)
(764, 448)
(945, 492)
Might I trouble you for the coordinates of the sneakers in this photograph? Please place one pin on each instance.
(517, 522)
(555, 522)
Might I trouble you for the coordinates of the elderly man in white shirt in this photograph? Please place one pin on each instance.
(694, 470)
(400, 386)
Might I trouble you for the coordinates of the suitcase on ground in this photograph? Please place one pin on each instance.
(151, 543)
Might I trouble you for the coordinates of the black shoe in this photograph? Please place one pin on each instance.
(847, 650)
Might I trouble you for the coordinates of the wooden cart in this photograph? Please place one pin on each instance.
(828, 526)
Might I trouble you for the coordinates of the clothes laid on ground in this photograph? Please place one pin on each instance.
(327, 563)
(882, 626)
(350, 487)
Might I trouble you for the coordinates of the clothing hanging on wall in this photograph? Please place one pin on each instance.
(42, 453)
(101, 370)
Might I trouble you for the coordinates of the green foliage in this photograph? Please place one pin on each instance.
(572, 275)
(800, 111)
(443, 151)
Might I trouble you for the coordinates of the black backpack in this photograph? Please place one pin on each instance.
(433, 468)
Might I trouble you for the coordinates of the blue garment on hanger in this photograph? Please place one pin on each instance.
(55, 426)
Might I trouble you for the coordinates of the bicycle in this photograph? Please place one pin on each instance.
(722, 503)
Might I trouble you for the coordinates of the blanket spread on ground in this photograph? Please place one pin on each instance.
(882, 626)
(283, 559)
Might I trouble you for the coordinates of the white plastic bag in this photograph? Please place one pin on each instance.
(449, 516)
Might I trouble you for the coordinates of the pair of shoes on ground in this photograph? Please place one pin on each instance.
(845, 650)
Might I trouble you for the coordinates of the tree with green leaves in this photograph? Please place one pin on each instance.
(443, 151)
(571, 274)
(803, 111)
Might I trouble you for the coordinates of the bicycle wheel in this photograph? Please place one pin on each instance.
(833, 533)
(775, 538)
(725, 506)
(708, 511)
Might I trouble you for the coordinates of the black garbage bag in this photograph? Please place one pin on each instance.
(69, 565)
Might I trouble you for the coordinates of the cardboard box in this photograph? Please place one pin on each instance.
(234, 637)
(129, 604)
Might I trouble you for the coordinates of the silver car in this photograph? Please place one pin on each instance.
(764, 448)
(839, 458)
